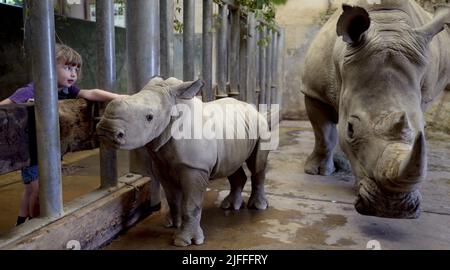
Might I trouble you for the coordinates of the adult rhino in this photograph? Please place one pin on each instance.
(374, 79)
(155, 116)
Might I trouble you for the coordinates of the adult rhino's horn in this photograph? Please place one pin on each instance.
(414, 166)
(436, 25)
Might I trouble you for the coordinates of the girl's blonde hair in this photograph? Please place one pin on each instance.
(68, 56)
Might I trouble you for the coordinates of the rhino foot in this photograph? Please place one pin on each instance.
(186, 238)
(258, 202)
(319, 165)
(172, 222)
(232, 202)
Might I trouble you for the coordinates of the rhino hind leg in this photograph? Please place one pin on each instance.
(193, 187)
(234, 199)
(323, 120)
(257, 165)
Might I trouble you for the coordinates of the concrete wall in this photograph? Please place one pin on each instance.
(302, 20)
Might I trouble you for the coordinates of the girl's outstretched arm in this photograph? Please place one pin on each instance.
(98, 95)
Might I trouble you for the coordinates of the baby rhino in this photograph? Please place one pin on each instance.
(191, 142)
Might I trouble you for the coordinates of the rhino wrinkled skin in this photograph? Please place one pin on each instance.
(185, 166)
(372, 71)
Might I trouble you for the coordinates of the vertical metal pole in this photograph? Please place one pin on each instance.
(250, 70)
(257, 70)
(87, 15)
(281, 54)
(207, 36)
(106, 78)
(234, 51)
(274, 88)
(188, 40)
(27, 40)
(243, 63)
(142, 20)
(61, 6)
(41, 17)
(262, 66)
(222, 54)
(167, 38)
(268, 68)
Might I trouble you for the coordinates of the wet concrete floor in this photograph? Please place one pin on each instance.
(305, 212)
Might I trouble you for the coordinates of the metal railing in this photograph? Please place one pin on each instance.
(243, 70)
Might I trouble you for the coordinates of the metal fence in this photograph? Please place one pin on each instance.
(242, 70)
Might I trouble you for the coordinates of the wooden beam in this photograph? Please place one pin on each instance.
(17, 132)
(14, 130)
(91, 224)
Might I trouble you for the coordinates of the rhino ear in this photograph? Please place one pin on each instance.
(187, 90)
(352, 24)
(436, 25)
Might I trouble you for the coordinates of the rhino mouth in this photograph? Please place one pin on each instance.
(372, 200)
(109, 137)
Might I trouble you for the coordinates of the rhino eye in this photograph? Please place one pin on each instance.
(350, 131)
(149, 117)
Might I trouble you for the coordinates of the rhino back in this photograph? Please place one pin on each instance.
(319, 74)
(217, 157)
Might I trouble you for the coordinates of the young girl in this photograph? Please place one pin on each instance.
(68, 69)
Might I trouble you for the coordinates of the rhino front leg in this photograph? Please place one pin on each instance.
(237, 182)
(323, 119)
(193, 187)
(173, 196)
(172, 193)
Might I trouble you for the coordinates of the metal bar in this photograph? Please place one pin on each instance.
(61, 7)
(87, 13)
(233, 4)
(234, 52)
(242, 64)
(281, 55)
(167, 38)
(262, 65)
(250, 70)
(27, 45)
(41, 17)
(222, 54)
(207, 37)
(188, 40)
(256, 66)
(274, 87)
(106, 79)
(268, 69)
(142, 20)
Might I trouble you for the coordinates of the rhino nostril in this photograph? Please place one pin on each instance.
(120, 135)
(350, 131)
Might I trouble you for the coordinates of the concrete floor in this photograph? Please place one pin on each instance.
(305, 212)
